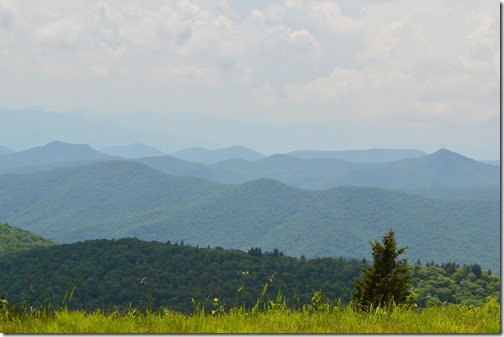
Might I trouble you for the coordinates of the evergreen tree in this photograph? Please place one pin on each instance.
(476, 269)
(387, 280)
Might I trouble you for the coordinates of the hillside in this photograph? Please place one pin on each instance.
(136, 274)
(50, 156)
(108, 273)
(178, 167)
(314, 174)
(123, 198)
(75, 203)
(206, 156)
(359, 156)
(14, 240)
(491, 162)
(131, 151)
(441, 168)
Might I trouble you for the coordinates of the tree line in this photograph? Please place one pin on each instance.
(106, 274)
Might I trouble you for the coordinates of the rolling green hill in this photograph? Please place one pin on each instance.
(130, 273)
(123, 198)
(14, 239)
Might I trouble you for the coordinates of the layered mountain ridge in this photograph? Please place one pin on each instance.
(121, 198)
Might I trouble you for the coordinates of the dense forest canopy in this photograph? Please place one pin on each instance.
(130, 272)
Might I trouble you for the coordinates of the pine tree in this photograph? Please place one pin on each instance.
(387, 280)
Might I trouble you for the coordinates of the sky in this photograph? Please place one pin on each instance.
(428, 69)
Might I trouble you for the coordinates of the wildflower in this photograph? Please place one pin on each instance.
(216, 300)
(213, 312)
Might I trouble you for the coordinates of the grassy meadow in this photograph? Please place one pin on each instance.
(275, 318)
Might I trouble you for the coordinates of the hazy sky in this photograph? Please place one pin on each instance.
(430, 67)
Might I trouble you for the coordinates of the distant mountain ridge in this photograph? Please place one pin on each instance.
(359, 156)
(171, 131)
(206, 156)
(113, 199)
(133, 151)
(441, 168)
(52, 153)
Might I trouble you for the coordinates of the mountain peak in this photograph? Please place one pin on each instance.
(445, 153)
(443, 150)
(54, 152)
(58, 148)
(60, 144)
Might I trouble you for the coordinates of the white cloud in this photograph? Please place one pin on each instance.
(484, 34)
(265, 95)
(418, 61)
(63, 33)
(341, 82)
(7, 16)
(388, 38)
(329, 14)
(189, 75)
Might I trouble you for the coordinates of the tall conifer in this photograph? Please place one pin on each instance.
(387, 280)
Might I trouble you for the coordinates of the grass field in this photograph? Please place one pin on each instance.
(276, 318)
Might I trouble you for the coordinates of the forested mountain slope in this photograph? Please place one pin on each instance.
(13, 239)
(315, 174)
(179, 167)
(122, 198)
(136, 274)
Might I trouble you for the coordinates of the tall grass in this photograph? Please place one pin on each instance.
(275, 318)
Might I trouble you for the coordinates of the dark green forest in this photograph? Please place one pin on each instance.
(129, 272)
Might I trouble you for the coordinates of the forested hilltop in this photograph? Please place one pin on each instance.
(133, 273)
(13, 239)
